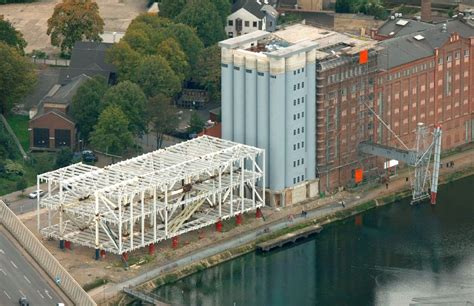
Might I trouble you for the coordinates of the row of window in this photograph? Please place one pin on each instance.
(298, 179)
(298, 162)
(246, 23)
(297, 86)
(349, 73)
(298, 115)
(298, 101)
(298, 71)
(298, 131)
(298, 145)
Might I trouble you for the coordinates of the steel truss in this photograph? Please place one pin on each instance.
(152, 197)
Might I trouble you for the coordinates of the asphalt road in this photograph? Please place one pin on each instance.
(22, 206)
(19, 278)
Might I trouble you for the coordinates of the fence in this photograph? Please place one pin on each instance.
(44, 258)
(52, 62)
(15, 139)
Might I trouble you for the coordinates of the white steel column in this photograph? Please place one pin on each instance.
(120, 225)
(96, 195)
(242, 167)
(254, 160)
(38, 204)
(131, 221)
(143, 218)
(220, 192)
(166, 211)
(231, 188)
(154, 214)
(263, 177)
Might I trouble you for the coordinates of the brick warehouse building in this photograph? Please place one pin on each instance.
(427, 77)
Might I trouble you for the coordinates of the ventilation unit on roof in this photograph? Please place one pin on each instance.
(402, 22)
(391, 33)
(419, 37)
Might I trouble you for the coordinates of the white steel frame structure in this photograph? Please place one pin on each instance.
(152, 197)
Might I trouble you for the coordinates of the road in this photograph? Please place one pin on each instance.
(19, 278)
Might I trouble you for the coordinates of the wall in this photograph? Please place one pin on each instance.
(245, 16)
(52, 121)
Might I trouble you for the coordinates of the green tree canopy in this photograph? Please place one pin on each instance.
(171, 8)
(12, 37)
(207, 71)
(17, 77)
(74, 20)
(171, 51)
(204, 17)
(122, 56)
(111, 133)
(163, 116)
(86, 104)
(223, 7)
(187, 38)
(132, 102)
(196, 124)
(63, 158)
(155, 76)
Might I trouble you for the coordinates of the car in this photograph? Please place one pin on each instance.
(23, 301)
(35, 193)
(89, 156)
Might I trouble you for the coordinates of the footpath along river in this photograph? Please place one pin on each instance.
(392, 255)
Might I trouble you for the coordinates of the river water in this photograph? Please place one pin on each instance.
(392, 255)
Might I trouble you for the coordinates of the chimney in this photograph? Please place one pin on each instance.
(426, 11)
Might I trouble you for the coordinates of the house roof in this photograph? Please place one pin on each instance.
(64, 94)
(252, 6)
(87, 58)
(59, 114)
(402, 26)
(414, 46)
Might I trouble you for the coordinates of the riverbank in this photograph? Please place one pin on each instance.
(322, 214)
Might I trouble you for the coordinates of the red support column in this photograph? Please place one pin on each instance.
(151, 249)
(125, 256)
(175, 242)
(102, 253)
(258, 213)
(238, 219)
(219, 226)
(67, 244)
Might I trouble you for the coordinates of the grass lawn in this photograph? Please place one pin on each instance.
(19, 125)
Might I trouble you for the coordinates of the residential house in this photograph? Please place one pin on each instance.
(50, 126)
(251, 15)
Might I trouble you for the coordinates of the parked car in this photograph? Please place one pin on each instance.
(23, 301)
(34, 194)
(89, 156)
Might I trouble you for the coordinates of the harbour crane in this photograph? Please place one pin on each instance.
(424, 184)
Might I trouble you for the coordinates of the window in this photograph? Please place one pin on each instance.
(230, 34)
(298, 145)
(298, 179)
(294, 102)
(440, 61)
(302, 129)
(302, 114)
(41, 138)
(248, 70)
(448, 83)
(294, 132)
(298, 115)
(298, 163)
(294, 117)
(298, 130)
(466, 53)
(254, 24)
(449, 59)
(298, 101)
(302, 100)
(302, 161)
(294, 164)
(302, 177)
(457, 55)
(294, 180)
(294, 87)
(260, 73)
(294, 147)
(62, 138)
(270, 23)
(302, 69)
(302, 144)
(302, 84)
(298, 85)
(236, 68)
(298, 71)
(224, 65)
(247, 24)
(294, 72)
(231, 22)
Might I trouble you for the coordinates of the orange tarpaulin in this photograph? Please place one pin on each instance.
(358, 175)
(363, 56)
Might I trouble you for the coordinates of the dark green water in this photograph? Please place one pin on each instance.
(392, 255)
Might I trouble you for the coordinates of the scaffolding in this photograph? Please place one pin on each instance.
(152, 197)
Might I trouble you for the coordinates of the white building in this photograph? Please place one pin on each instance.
(250, 15)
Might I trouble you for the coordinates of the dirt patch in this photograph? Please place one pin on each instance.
(31, 19)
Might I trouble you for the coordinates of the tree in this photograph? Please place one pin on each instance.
(111, 132)
(187, 38)
(344, 6)
(207, 71)
(122, 56)
(17, 77)
(132, 102)
(43, 162)
(21, 184)
(223, 7)
(171, 51)
(63, 158)
(86, 104)
(171, 8)
(12, 37)
(204, 17)
(163, 117)
(196, 124)
(155, 76)
(74, 20)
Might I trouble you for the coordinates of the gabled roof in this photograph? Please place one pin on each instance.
(395, 26)
(87, 58)
(404, 49)
(251, 6)
(65, 93)
(55, 113)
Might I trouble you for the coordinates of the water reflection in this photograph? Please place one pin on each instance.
(394, 255)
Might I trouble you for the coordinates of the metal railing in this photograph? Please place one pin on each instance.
(44, 258)
(51, 62)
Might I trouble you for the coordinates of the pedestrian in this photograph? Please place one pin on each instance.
(406, 179)
(342, 203)
(386, 185)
